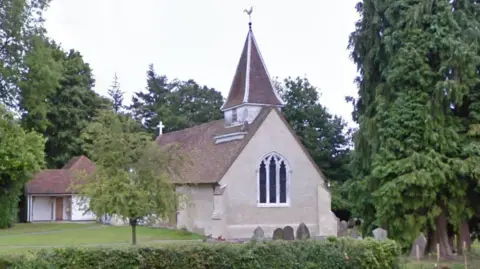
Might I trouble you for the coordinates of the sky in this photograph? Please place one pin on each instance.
(203, 40)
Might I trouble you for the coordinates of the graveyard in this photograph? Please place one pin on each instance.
(33, 238)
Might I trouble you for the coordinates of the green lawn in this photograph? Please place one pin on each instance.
(473, 261)
(44, 235)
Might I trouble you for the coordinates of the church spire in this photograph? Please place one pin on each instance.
(251, 84)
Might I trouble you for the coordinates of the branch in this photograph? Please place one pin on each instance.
(4, 46)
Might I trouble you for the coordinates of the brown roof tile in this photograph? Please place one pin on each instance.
(251, 83)
(58, 181)
(207, 162)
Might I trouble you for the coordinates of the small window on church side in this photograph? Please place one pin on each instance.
(273, 181)
(234, 115)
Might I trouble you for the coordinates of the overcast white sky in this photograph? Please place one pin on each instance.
(203, 40)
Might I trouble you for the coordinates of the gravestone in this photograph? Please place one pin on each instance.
(351, 223)
(258, 234)
(302, 232)
(288, 233)
(278, 234)
(380, 234)
(343, 231)
(421, 242)
(355, 233)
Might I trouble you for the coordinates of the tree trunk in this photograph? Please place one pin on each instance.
(440, 236)
(133, 223)
(464, 236)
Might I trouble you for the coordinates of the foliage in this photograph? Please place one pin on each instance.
(21, 23)
(341, 254)
(131, 179)
(418, 68)
(178, 104)
(326, 136)
(116, 95)
(21, 155)
(69, 107)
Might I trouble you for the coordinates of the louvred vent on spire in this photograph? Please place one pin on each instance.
(252, 83)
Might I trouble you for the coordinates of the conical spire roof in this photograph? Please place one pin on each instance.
(251, 83)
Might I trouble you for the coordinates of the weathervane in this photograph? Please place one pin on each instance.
(249, 12)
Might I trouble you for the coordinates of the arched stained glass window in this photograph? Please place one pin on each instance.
(273, 181)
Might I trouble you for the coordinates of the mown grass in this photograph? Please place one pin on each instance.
(430, 262)
(24, 237)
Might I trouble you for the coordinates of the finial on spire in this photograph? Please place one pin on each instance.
(249, 12)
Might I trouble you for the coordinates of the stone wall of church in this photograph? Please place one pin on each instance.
(310, 202)
(196, 212)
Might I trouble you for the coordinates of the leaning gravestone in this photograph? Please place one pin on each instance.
(278, 234)
(288, 233)
(258, 234)
(421, 242)
(343, 231)
(355, 233)
(302, 232)
(380, 234)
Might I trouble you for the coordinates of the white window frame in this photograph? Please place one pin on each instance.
(266, 158)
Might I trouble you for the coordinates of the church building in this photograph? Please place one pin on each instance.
(249, 169)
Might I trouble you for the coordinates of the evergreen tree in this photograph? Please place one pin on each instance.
(417, 69)
(178, 104)
(116, 95)
(326, 136)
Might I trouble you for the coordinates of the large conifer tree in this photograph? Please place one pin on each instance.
(414, 158)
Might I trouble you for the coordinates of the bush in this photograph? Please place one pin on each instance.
(329, 254)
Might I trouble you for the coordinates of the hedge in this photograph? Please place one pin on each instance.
(327, 254)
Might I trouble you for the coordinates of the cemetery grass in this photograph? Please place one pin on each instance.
(25, 237)
(473, 261)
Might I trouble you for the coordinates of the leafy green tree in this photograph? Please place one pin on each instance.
(42, 77)
(326, 136)
(418, 67)
(21, 25)
(21, 155)
(116, 95)
(132, 175)
(70, 107)
(178, 104)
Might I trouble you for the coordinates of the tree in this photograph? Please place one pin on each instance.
(326, 136)
(70, 107)
(116, 95)
(178, 104)
(39, 81)
(21, 25)
(132, 175)
(417, 69)
(21, 155)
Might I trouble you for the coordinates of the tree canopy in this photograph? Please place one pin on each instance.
(116, 95)
(326, 136)
(21, 155)
(69, 107)
(21, 48)
(132, 175)
(416, 147)
(178, 104)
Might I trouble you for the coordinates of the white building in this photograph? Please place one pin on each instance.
(50, 198)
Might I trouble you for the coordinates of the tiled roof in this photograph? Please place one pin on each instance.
(207, 162)
(58, 181)
(251, 83)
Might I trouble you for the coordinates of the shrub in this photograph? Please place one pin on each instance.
(327, 254)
